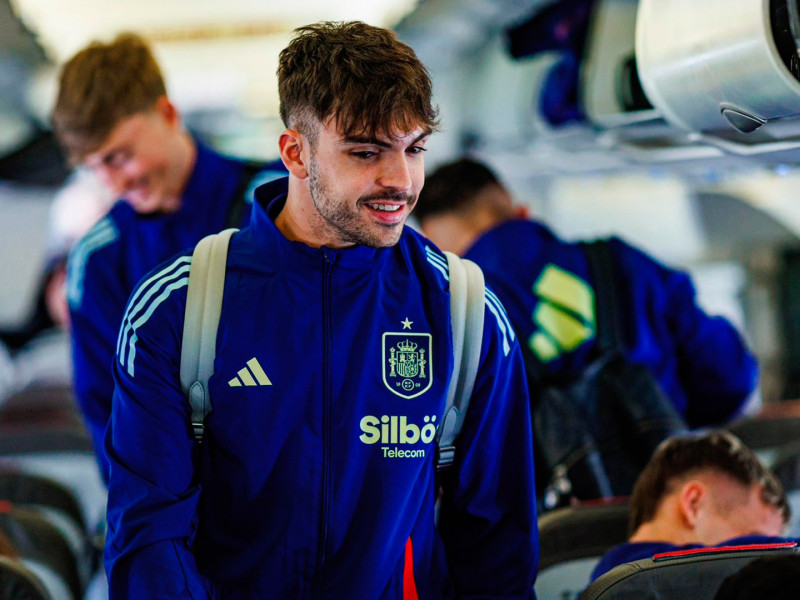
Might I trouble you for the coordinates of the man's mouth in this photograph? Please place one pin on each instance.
(389, 208)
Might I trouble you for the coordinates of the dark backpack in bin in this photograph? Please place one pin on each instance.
(593, 434)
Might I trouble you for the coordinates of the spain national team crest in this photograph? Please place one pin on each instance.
(407, 363)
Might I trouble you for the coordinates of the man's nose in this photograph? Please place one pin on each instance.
(114, 179)
(396, 173)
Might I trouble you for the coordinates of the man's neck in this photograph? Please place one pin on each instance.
(186, 153)
(299, 220)
(663, 530)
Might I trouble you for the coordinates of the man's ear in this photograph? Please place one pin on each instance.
(167, 110)
(692, 500)
(291, 147)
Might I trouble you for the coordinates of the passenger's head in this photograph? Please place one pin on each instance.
(462, 200)
(772, 578)
(706, 489)
(357, 106)
(112, 115)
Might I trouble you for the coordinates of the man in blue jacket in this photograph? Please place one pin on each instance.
(700, 362)
(698, 491)
(316, 475)
(113, 116)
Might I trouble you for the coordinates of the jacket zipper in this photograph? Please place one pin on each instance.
(322, 551)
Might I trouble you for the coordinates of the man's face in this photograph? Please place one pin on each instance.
(143, 161)
(364, 189)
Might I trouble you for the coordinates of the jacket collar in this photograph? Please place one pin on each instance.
(270, 199)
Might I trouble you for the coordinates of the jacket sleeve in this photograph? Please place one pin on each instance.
(488, 511)
(96, 296)
(153, 495)
(715, 367)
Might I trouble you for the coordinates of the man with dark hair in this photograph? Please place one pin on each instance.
(113, 116)
(315, 477)
(701, 490)
(700, 362)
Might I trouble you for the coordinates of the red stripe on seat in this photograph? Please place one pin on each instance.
(721, 549)
(409, 584)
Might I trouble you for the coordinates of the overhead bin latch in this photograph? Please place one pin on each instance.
(740, 119)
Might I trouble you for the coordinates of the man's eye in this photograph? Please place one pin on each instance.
(365, 154)
(417, 150)
(116, 159)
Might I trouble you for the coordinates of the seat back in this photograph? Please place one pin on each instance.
(43, 550)
(695, 574)
(572, 540)
(767, 435)
(63, 454)
(57, 505)
(19, 583)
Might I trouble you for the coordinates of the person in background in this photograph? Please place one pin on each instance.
(701, 490)
(114, 117)
(701, 362)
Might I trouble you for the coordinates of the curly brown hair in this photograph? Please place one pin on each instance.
(360, 75)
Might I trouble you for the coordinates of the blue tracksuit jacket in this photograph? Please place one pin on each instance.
(316, 476)
(701, 362)
(104, 267)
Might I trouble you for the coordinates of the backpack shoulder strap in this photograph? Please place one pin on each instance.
(200, 322)
(601, 266)
(466, 318)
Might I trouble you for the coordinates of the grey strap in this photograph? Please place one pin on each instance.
(200, 322)
(466, 318)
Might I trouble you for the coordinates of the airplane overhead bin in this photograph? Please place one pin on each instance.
(727, 70)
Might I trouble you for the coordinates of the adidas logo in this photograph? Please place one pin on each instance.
(251, 375)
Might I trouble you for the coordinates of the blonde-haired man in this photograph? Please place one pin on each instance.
(113, 116)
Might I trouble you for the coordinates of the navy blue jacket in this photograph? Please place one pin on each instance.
(316, 475)
(107, 263)
(700, 361)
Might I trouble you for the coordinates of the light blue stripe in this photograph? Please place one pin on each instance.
(499, 305)
(144, 318)
(506, 345)
(150, 288)
(129, 323)
(432, 255)
(101, 235)
(442, 269)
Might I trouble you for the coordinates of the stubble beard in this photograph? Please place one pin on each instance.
(346, 223)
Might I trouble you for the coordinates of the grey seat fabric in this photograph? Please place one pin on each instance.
(57, 505)
(571, 542)
(42, 547)
(17, 582)
(767, 436)
(694, 574)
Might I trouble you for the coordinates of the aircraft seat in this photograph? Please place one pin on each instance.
(695, 574)
(571, 542)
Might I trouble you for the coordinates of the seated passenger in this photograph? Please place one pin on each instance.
(697, 491)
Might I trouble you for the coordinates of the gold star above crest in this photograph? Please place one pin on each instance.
(406, 323)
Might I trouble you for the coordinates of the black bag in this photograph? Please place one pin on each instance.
(594, 434)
